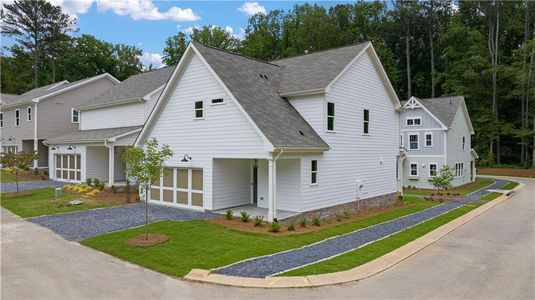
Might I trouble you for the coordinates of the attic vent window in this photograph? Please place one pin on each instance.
(218, 101)
(301, 132)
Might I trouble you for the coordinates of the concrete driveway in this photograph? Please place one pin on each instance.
(491, 257)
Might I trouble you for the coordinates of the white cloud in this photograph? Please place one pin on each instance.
(240, 35)
(145, 10)
(152, 58)
(229, 29)
(71, 7)
(189, 30)
(252, 8)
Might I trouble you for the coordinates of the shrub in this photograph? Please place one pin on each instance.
(316, 221)
(274, 227)
(88, 181)
(45, 172)
(228, 214)
(338, 217)
(291, 227)
(448, 193)
(443, 178)
(346, 213)
(258, 221)
(101, 186)
(96, 181)
(303, 222)
(432, 194)
(113, 189)
(244, 216)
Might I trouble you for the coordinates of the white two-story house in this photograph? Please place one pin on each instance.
(312, 134)
(109, 122)
(436, 132)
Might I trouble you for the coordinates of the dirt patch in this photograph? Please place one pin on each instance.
(109, 197)
(29, 175)
(530, 173)
(151, 239)
(12, 195)
(237, 224)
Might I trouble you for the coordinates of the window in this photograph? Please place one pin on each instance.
(330, 116)
(29, 113)
(432, 169)
(401, 140)
(413, 141)
(199, 112)
(366, 121)
(75, 116)
(464, 142)
(1, 120)
(179, 186)
(414, 169)
(218, 101)
(68, 167)
(17, 117)
(314, 172)
(459, 169)
(414, 121)
(428, 139)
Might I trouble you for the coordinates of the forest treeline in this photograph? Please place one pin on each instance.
(483, 50)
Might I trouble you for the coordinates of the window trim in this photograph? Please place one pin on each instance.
(312, 171)
(329, 117)
(365, 122)
(464, 142)
(425, 139)
(436, 168)
(417, 169)
(29, 113)
(195, 109)
(72, 115)
(217, 103)
(459, 169)
(417, 140)
(413, 118)
(17, 118)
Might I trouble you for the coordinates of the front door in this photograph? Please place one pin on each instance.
(255, 184)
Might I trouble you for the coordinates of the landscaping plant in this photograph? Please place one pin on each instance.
(228, 214)
(442, 179)
(303, 222)
(101, 186)
(17, 161)
(346, 214)
(96, 181)
(258, 221)
(88, 181)
(244, 216)
(291, 227)
(113, 189)
(316, 221)
(145, 166)
(338, 217)
(274, 226)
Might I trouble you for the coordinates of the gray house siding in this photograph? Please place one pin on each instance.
(24, 131)
(456, 154)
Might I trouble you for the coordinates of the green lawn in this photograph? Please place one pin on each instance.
(40, 202)
(200, 244)
(510, 185)
(377, 249)
(6, 177)
(478, 184)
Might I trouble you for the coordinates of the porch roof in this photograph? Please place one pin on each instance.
(95, 135)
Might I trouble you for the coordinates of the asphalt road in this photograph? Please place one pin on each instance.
(491, 257)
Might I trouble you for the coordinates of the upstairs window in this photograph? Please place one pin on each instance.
(17, 117)
(414, 121)
(314, 172)
(428, 139)
(1, 120)
(199, 110)
(29, 113)
(413, 141)
(75, 116)
(464, 142)
(366, 121)
(330, 116)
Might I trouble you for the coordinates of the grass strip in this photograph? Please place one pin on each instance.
(478, 184)
(377, 249)
(510, 185)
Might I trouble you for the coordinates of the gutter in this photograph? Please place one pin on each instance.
(127, 101)
(303, 93)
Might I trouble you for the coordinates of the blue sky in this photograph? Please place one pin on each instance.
(146, 24)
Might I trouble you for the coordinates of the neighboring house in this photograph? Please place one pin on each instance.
(28, 119)
(109, 122)
(314, 133)
(437, 132)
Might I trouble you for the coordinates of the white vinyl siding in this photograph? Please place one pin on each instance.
(455, 152)
(235, 190)
(312, 110)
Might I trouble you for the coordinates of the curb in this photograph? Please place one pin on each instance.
(364, 271)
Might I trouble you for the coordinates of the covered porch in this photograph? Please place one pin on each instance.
(267, 187)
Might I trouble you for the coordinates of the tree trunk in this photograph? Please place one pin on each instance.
(17, 179)
(523, 101)
(53, 69)
(408, 58)
(35, 65)
(147, 213)
(432, 63)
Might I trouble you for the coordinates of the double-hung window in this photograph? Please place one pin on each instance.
(17, 117)
(199, 111)
(366, 128)
(432, 169)
(414, 169)
(75, 116)
(429, 139)
(330, 116)
(1, 120)
(313, 172)
(464, 142)
(413, 141)
(414, 121)
(29, 113)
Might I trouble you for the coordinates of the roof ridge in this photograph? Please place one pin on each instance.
(153, 70)
(237, 54)
(320, 51)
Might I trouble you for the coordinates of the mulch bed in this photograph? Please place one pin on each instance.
(29, 175)
(530, 173)
(110, 197)
(151, 239)
(237, 224)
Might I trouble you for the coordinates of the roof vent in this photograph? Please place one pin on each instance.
(263, 76)
(301, 132)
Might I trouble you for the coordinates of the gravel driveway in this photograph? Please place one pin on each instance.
(29, 185)
(78, 226)
(263, 266)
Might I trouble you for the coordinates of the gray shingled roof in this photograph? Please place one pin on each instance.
(91, 135)
(444, 108)
(134, 87)
(316, 70)
(278, 120)
(8, 98)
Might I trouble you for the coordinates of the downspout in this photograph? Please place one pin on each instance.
(274, 180)
(35, 138)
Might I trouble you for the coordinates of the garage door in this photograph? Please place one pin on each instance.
(68, 167)
(179, 186)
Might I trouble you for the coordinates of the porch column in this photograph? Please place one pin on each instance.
(272, 189)
(111, 165)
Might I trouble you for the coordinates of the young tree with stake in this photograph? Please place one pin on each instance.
(17, 161)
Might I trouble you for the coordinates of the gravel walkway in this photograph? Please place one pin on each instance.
(277, 263)
(29, 185)
(78, 226)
